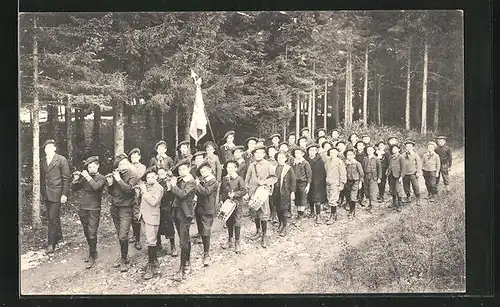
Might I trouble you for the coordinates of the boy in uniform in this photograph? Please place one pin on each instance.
(251, 142)
(444, 153)
(166, 227)
(355, 175)
(431, 166)
(412, 170)
(360, 157)
(366, 139)
(284, 190)
(305, 132)
(336, 178)
(197, 160)
(303, 141)
(275, 140)
(317, 192)
(149, 216)
(271, 157)
(183, 152)
(260, 142)
(303, 175)
(135, 161)
(225, 149)
(292, 139)
(135, 157)
(352, 140)
(91, 183)
(334, 136)
(395, 177)
(384, 156)
(184, 189)
(260, 173)
(121, 183)
(321, 132)
(233, 187)
(162, 160)
(213, 159)
(373, 175)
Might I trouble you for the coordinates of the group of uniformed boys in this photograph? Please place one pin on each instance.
(305, 173)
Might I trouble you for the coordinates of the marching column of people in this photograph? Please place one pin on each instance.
(265, 182)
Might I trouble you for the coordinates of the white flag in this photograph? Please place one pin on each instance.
(198, 127)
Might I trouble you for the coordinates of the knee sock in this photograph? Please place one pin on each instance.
(284, 220)
(230, 231)
(257, 224)
(124, 248)
(318, 208)
(150, 254)
(172, 242)
(334, 209)
(264, 227)
(237, 233)
(206, 243)
(311, 206)
(280, 218)
(136, 227)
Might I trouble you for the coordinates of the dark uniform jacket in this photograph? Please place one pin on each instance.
(184, 192)
(248, 157)
(122, 191)
(384, 159)
(168, 196)
(395, 166)
(242, 168)
(182, 157)
(317, 191)
(226, 153)
(285, 185)
(372, 168)
(303, 172)
(166, 162)
(92, 191)
(236, 185)
(354, 170)
(55, 178)
(216, 166)
(206, 192)
(444, 153)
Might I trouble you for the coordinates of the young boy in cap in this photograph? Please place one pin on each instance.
(292, 139)
(197, 160)
(373, 175)
(284, 190)
(161, 160)
(336, 178)
(384, 156)
(366, 139)
(412, 170)
(213, 159)
(352, 140)
(233, 187)
(91, 183)
(166, 227)
(355, 175)
(121, 184)
(303, 142)
(271, 157)
(392, 140)
(444, 153)
(320, 140)
(321, 132)
(305, 132)
(55, 185)
(242, 166)
(206, 192)
(183, 152)
(275, 140)
(251, 142)
(225, 149)
(149, 216)
(360, 157)
(395, 178)
(341, 147)
(334, 136)
(325, 147)
(431, 166)
(135, 157)
(184, 189)
(317, 192)
(303, 176)
(260, 173)
(260, 142)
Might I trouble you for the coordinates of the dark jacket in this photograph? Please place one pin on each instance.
(384, 159)
(372, 168)
(206, 193)
(285, 185)
(317, 191)
(248, 157)
(444, 153)
(303, 172)
(242, 168)
(395, 166)
(179, 157)
(216, 166)
(166, 162)
(122, 191)
(360, 157)
(354, 170)
(184, 193)
(225, 153)
(91, 191)
(55, 178)
(237, 185)
(168, 196)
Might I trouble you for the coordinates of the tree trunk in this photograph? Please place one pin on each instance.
(69, 132)
(297, 117)
(423, 129)
(309, 110)
(436, 112)
(119, 128)
(176, 124)
(313, 110)
(325, 109)
(379, 110)
(408, 83)
(348, 93)
(162, 124)
(336, 108)
(152, 119)
(96, 129)
(365, 91)
(35, 217)
(79, 129)
(52, 122)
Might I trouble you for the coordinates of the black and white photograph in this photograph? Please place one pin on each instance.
(241, 152)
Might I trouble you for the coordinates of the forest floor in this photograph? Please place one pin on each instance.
(301, 262)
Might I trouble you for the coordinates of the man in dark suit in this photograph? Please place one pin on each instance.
(55, 185)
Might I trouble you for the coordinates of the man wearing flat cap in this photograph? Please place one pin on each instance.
(55, 185)
(162, 159)
(91, 184)
(317, 192)
(183, 152)
(121, 188)
(444, 153)
(225, 150)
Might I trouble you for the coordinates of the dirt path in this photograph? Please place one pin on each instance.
(281, 268)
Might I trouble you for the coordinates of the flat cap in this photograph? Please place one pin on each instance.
(49, 141)
(118, 158)
(162, 142)
(295, 148)
(441, 137)
(329, 150)
(320, 129)
(275, 135)
(182, 143)
(409, 142)
(199, 153)
(250, 138)
(205, 163)
(134, 150)
(208, 143)
(230, 132)
(312, 145)
(181, 162)
(432, 143)
(327, 142)
(304, 129)
(240, 147)
(151, 169)
(358, 142)
(259, 147)
(90, 160)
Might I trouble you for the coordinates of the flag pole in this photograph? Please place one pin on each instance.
(211, 131)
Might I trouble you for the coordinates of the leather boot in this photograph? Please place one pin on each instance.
(393, 204)
(264, 241)
(283, 231)
(180, 275)
(398, 204)
(228, 244)
(124, 262)
(331, 219)
(256, 236)
(206, 259)
(237, 246)
(317, 219)
(369, 207)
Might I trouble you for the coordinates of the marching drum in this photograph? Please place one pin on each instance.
(259, 197)
(226, 210)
